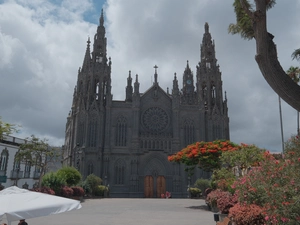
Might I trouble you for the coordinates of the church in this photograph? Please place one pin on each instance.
(127, 142)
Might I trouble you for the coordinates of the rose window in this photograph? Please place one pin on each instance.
(155, 119)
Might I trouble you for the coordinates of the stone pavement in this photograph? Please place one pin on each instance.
(118, 211)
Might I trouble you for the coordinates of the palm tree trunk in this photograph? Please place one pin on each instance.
(281, 126)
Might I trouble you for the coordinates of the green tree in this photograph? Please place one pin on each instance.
(70, 174)
(294, 73)
(92, 182)
(251, 24)
(6, 128)
(245, 157)
(53, 181)
(39, 154)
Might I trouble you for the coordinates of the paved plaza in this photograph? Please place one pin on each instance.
(118, 211)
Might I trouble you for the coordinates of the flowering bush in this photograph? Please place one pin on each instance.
(204, 154)
(225, 201)
(66, 192)
(243, 214)
(212, 197)
(274, 187)
(78, 191)
(45, 190)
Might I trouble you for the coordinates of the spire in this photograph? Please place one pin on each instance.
(175, 90)
(206, 27)
(87, 57)
(155, 74)
(129, 88)
(187, 68)
(136, 86)
(99, 47)
(101, 20)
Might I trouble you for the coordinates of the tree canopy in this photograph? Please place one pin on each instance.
(251, 23)
(38, 153)
(6, 128)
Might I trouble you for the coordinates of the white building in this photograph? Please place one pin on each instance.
(21, 174)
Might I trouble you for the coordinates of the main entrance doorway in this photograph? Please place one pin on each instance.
(154, 186)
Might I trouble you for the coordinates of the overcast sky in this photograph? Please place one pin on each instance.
(43, 42)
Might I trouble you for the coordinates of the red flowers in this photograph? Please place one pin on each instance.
(204, 154)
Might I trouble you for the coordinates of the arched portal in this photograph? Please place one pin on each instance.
(154, 179)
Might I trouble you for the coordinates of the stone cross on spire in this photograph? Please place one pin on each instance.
(155, 74)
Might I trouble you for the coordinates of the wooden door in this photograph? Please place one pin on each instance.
(160, 186)
(148, 186)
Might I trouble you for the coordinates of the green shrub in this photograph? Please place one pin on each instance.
(70, 174)
(92, 182)
(195, 192)
(202, 184)
(53, 181)
(99, 190)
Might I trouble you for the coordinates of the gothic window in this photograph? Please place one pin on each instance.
(217, 131)
(204, 92)
(27, 169)
(93, 134)
(208, 65)
(81, 132)
(3, 160)
(119, 172)
(189, 132)
(97, 90)
(213, 91)
(90, 168)
(17, 163)
(121, 132)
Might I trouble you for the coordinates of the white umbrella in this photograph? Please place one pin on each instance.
(16, 204)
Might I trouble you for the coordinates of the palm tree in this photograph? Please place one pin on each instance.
(294, 73)
(296, 54)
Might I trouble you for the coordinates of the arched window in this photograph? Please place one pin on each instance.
(119, 172)
(17, 163)
(93, 127)
(27, 169)
(3, 160)
(189, 132)
(90, 168)
(121, 132)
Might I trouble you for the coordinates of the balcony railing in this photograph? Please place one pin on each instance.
(16, 174)
(36, 175)
(27, 174)
(2, 172)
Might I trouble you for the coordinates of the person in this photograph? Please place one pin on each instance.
(22, 222)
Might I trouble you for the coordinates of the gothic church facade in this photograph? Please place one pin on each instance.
(126, 143)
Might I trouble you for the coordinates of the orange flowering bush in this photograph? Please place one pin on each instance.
(204, 154)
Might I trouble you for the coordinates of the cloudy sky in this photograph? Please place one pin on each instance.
(43, 42)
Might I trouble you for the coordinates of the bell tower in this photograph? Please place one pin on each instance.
(209, 90)
(188, 90)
